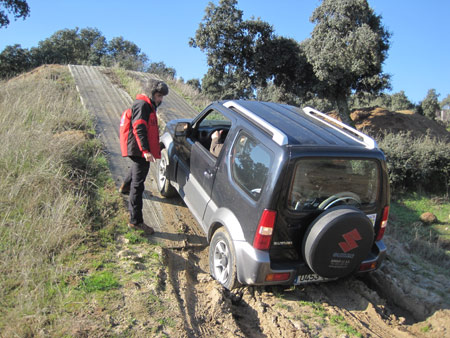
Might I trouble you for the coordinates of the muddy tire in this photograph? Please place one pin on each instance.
(165, 188)
(222, 259)
(338, 241)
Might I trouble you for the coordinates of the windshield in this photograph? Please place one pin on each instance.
(323, 183)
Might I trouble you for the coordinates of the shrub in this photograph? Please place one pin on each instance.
(417, 163)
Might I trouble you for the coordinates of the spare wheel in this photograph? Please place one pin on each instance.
(338, 241)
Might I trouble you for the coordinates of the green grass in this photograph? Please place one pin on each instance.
(135, 236)
(431, 242)
(99, 281)
(425, 328)
(130, 85)
(345, 327)
(320, 313)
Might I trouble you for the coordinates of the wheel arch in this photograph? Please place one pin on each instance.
(166, 142)
(224, 217)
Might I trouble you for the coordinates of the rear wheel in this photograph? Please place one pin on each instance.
(222, 259)
(165, 188)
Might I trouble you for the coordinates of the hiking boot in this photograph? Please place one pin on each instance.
(124, 189)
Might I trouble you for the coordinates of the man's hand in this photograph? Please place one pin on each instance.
(216, 134)
(149, 157)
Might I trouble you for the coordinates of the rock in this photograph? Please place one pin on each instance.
(428, 218)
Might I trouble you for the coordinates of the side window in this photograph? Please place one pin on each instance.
(213, 121)
(250, 164)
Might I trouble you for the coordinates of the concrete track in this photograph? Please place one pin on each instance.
(106, 102)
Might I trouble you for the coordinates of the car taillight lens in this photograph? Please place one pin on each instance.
(368, 266)
(383, 224)
(278, 277)
(264, 231)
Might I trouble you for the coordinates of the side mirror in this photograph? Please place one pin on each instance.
(181, 129)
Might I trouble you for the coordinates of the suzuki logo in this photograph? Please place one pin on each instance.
(350, 240)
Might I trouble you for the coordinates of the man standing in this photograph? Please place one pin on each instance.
(139, 140)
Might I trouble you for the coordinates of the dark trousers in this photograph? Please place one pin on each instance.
(135, 179)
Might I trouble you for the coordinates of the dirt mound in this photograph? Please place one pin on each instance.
(374, 121)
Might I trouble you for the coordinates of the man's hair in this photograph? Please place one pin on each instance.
(153, 86)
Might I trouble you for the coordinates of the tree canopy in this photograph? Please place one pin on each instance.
(78, 46)
(343, 56)
(233, 48)
(18, 8)
(347, 49)
(430, 105)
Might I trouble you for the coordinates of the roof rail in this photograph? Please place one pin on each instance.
(277, 136)
(346, 130)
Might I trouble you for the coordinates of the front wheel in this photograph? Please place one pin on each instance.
(222, 259)
(165, 188)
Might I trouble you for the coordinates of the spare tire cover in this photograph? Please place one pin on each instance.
(338, 241)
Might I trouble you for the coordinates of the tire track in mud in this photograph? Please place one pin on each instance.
(382, 305)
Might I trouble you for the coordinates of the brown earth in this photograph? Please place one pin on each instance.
(406, 297)
(378, 120)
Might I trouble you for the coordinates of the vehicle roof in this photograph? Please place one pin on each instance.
(291, 125)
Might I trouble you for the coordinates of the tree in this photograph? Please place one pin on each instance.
(14, 60)
(94, 46)
(399, 101)
(160, 68)
(347, 48)
(245, 56)
(446, 102)
(195, 83)
(233, 48)
(19, 8)
(74, 46)
(430, 105)
(125, 54)
(63, 47)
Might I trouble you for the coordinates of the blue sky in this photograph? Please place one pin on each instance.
(418, 58)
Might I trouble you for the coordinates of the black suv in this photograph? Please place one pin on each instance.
(293, 196)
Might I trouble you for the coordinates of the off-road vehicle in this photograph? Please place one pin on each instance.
(294, 196)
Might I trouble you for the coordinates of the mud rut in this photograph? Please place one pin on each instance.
(399, 300)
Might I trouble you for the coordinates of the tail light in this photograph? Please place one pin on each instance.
(368, 266)
(264, 231)
(383, 224)
(278, 277)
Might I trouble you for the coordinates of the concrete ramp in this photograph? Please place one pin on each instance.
(106, 102)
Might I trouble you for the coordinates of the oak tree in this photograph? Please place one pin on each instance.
(347, 48)
(18, 8)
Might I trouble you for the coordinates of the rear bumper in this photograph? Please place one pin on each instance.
(254, 265)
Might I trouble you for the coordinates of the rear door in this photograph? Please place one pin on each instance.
(244, 179)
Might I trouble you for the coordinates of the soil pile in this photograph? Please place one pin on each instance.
(376, 121)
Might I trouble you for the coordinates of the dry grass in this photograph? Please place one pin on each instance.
(192, 95)
(44, 206)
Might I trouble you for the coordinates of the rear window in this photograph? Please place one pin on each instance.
(323, 183)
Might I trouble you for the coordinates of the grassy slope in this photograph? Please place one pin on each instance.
(60, 214)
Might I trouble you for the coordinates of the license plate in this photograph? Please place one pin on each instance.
(310, 278)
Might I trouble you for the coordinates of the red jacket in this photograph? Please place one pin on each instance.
(139, 132)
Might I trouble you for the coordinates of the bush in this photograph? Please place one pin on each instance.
(417, 163)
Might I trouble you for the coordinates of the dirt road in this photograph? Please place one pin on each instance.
(405, 298)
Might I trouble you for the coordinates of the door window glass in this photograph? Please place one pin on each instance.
(251, 162)
(210, 123)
